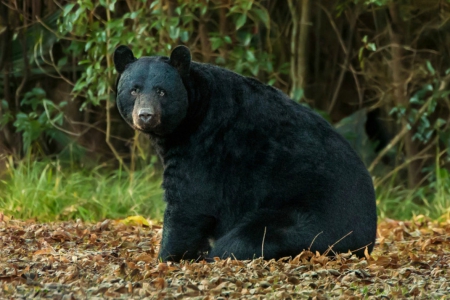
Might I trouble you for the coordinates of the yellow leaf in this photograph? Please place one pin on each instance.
(135, 220)
(366, 253)
(44, 251)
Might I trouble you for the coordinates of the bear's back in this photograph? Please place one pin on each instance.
(252, 111)
(254, 130)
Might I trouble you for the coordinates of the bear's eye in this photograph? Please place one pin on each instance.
(134, 92)
(160, 92)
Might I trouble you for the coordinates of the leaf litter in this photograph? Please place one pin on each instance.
(118, 260)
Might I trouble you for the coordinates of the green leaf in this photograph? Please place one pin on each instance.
(249, 5)
(4, 104)
(255, 70)
(247, 38)
(241, 21)
(272, 81)
(430, 68)
(216, 43)
(203, 10)
(233, 9)
(153, 4)
(84, 62)
(88, 45)
(372, 47)
(111, 6)
(263, 16)
(184, 36)
(440, 122)
(89, 71)
(174, 32)
(297, 95)
(250, 56)
(360, 54)
(68, 9)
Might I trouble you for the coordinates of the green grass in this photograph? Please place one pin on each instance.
(49, 191)
(46, 191)
(398, 203)
(432, 199)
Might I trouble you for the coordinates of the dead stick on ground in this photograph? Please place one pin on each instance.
(262, 246)
(314, 240)
(331, 247)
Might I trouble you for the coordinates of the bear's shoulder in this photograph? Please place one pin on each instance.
(248, 94)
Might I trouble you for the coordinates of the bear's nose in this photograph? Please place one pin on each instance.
(145, 115)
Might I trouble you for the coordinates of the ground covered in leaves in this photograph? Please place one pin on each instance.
(113, 260)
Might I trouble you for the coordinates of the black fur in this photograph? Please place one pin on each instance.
(122, 57)
(244, 164)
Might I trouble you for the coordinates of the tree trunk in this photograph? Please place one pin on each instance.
(204, 39)
(302, 44)
(299, 38)
(5, 67)
(400, 93)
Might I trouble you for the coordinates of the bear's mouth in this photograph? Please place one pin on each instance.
(146, 122)
(146, 127)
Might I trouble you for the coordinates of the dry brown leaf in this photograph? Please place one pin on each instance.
(144, 257)
(44, 251)
(159, 283)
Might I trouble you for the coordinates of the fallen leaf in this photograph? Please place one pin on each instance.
(135, 220)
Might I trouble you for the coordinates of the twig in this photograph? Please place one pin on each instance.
(361, 247)
(331, 247)
(310, 246)
(93, 126)
(406, 162)
(56, 126)
(61, 37)
(55, 67)
(262, 246)
(51, 64)
(358, 86)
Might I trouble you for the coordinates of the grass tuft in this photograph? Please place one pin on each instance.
(432, 200)
(45, 191)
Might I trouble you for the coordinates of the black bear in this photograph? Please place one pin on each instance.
(247, 171)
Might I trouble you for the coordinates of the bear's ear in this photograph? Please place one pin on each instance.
(122, 57)
(180, 58)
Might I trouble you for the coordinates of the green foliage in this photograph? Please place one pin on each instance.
(431, 94)
(151, 30)
(7, 115)
(367, 46)
(44, 115)
(48, 191)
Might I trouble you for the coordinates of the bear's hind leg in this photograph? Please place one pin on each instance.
(269, 234)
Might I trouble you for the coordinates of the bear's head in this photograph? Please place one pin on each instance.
(151, 95)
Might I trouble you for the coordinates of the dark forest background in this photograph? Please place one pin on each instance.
(378, 70)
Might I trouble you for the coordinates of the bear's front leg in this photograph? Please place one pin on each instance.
(185, 236)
